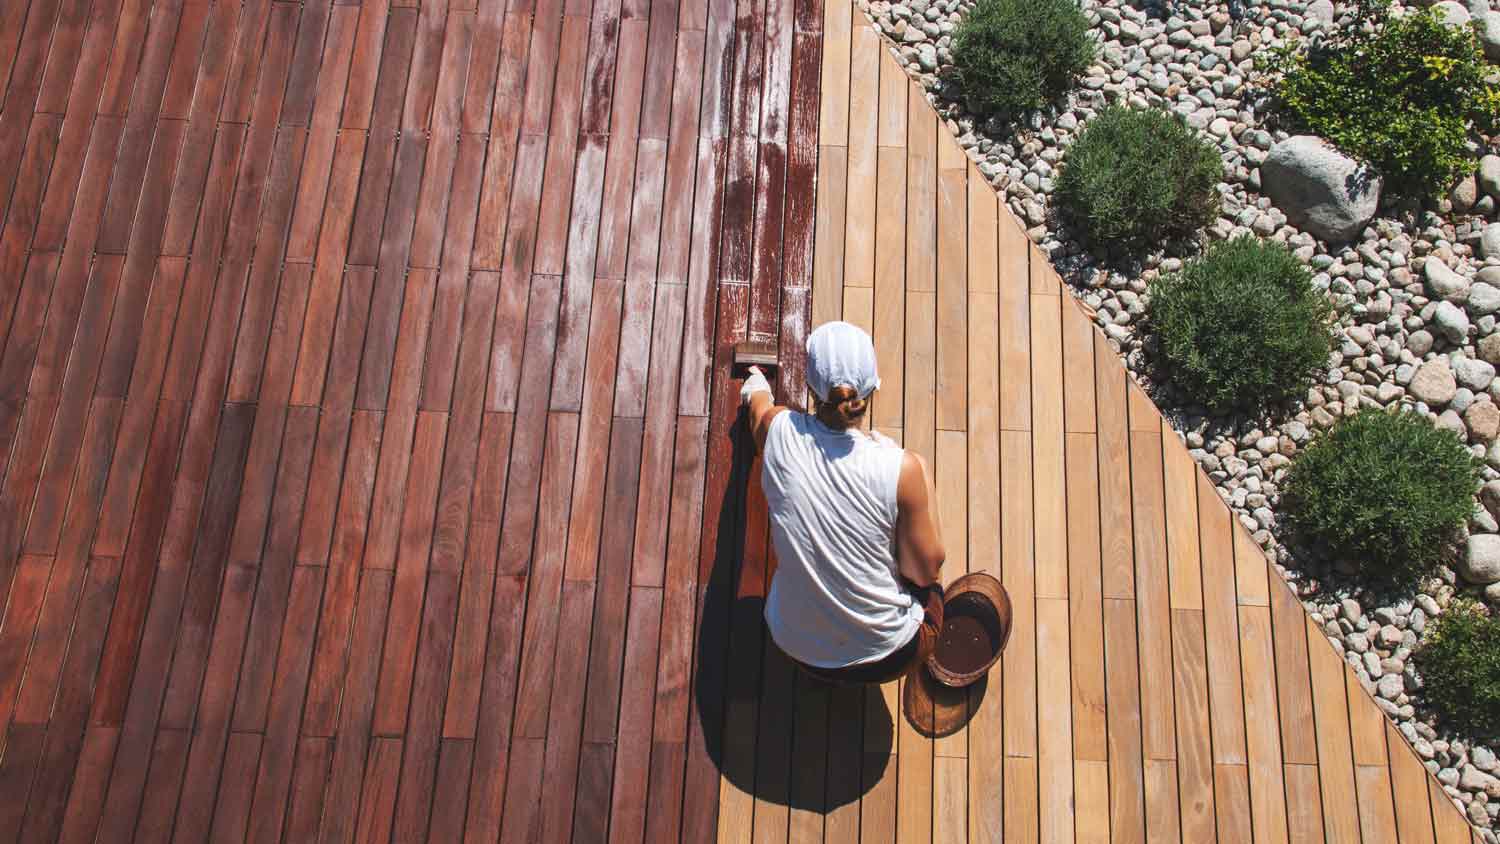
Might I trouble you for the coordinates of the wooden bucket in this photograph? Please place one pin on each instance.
(978, 596)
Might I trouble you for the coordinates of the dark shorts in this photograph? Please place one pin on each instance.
(901, 660)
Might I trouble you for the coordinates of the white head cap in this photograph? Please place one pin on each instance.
(841, 354)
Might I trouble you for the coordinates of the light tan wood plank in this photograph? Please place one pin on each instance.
(1049, 495)
(1304, 805)
(1091, 786)
(1143, 414)
(1078, 333)
(984, 255)
(1409, 785)
(1366, 724)
(913, 781)
(828, 255)
(1335, 756)
(1021, 822)
(864, 111)
(1116, 531)
(950, 790)
(952, 298)
(1184, 565)
(986, 761)
(920, 376)
(951, 156)
(1220, 625)
(1018, 565)
(1152, 604)
(890, 292)
(894, 89)
(859, 307)
(1055, 733)
(1090, 732)
(877, 808)
(1127, 821)
(1377, 814)
(833, 105)
(921, 192)
(1194, 753)
(984, 433)
(1251, 569)
(1015, 338)
(1262, 730)
(1044, 280)
(952, 487)
(1293, 686)
(1163, 819)
(1448, 822)
(1232, 803)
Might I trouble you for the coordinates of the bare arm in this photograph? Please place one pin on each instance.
(919, 541)
(762, 409)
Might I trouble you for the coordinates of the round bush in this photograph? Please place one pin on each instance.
(1138, 176)
(1404, 93)
(1242, 326)
(1014, 56)
(1386, 491)
(1459, 659)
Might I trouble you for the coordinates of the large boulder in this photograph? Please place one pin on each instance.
(1319, 188)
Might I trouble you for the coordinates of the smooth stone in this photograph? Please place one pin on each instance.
(1434, 383)
(1480, 563)
(1483, 420)
(1484, 298)
(1443, 283)
(1452, 322)
(1474, 374)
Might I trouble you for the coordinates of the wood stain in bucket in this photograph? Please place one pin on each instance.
(969, 636)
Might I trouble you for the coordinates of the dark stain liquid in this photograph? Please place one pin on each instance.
(968, 639)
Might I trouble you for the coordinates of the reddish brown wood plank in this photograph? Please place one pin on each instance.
(424, 721)
(355, 709)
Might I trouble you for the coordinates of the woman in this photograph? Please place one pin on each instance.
(855, 597)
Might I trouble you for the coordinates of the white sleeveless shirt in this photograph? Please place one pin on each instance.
(836, 598)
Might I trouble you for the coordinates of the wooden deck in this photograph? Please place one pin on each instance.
(368, 466)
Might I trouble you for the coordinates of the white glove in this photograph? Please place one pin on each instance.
(756, 383)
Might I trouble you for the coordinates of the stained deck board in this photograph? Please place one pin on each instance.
(370, 467)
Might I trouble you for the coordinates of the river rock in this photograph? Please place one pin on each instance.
(1480, 563)
(1483, 420)
(1319, 188)
(1434, 383)
(1451, 13)
(1451, 321)
(1443, 283)
(1489, 36)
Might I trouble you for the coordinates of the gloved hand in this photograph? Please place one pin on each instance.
(754, 384)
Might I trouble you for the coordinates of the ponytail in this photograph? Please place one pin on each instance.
(843, 408)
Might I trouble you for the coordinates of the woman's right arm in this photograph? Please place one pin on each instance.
(919, 541)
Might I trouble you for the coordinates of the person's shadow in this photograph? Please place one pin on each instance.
(774, 731)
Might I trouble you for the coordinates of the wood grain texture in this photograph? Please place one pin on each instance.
(370, 464)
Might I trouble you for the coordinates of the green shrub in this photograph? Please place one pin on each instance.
(1139, 176)
(1242, 326)
(1386, 491)
(1405, 97)
(1015, 56)
(1460, 663)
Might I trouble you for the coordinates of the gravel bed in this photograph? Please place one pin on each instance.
(1417, 290)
